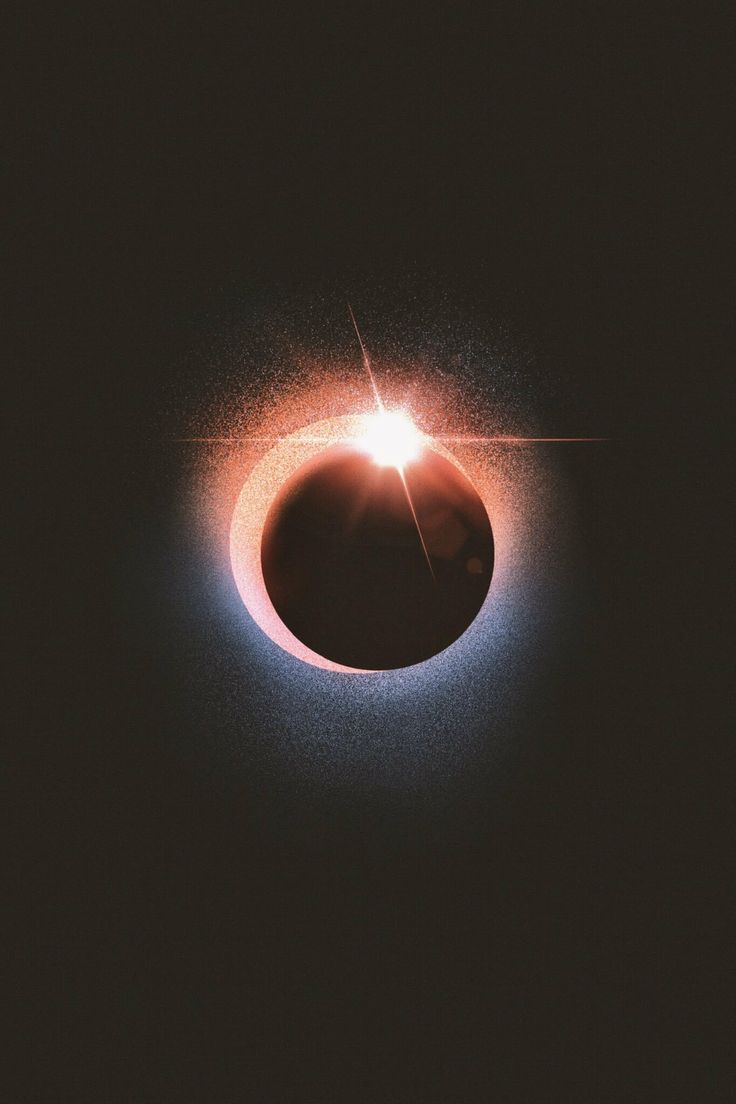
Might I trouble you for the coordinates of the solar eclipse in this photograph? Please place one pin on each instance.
(370, 640)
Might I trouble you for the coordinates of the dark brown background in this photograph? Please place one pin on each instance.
(565, 171)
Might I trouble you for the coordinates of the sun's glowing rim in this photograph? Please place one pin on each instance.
(258, 492)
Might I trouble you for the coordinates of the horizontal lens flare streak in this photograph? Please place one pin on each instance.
(504, 440)
(507, 440)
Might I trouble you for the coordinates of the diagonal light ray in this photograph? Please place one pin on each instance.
(399, 468)
(367, 363)
(402, 476)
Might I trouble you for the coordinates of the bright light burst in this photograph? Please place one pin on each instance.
(390, 438)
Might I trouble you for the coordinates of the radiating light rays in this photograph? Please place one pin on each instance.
(279, 449)
(390, 436)
(410, 726)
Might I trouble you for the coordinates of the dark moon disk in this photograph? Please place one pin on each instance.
(344, 565)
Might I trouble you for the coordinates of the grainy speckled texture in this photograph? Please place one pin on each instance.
(406, 728)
